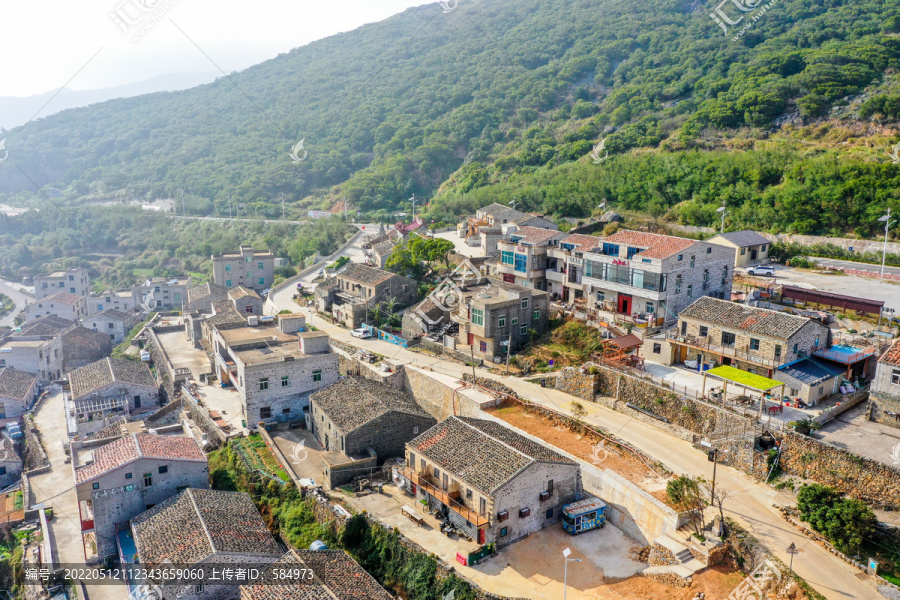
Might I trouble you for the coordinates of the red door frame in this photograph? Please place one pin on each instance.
(625, 303)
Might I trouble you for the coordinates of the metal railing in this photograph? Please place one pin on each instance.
(469, 515)
(723, 349)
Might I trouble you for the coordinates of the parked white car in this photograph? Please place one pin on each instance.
(766, 270)
(361, 333)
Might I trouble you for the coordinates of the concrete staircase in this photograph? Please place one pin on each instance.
(674, 574)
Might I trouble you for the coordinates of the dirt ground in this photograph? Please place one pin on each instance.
(716, 583)
(622, 462)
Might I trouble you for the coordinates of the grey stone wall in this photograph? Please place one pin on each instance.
(387, 435)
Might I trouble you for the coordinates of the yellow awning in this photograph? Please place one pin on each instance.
(744, 378)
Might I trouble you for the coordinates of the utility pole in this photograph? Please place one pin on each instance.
(887, 223)
(712, 487)
(472, 351)
(724, 212)
(508, 350)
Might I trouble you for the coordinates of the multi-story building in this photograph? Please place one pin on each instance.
(492, 216)
(112, 322)
(654, 276)
(122, 300)
(523, 257)
(18, 391)
(565, 266)
(38, 354)
(202, 528)
(750, 248)
(117, 482)
(337, 576)
(61, 304)
(71, 281)
(161, 293)
(713, 332)
(362, 422)
(491, 482)
(248, 267)
(275, 367)
(358, 289)
(884, 393)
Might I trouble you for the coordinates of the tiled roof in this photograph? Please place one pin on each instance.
(484, 454)
(241, 292)
(761, 321)
(336, 576)
(62, 298)
(533, 235)
(383, 248)
(196, 524)
(582, 243)
(353, 402)
(742, 239)
(86, 338)
(892, 356)
(8, 452)
(16, 384)
(106, 371)
(207, 292)
(501, 212)
(139, 445)
(363, 274)
(810, 371)
(654, 244)
(46, 325)
(229, 316)
(114, 313)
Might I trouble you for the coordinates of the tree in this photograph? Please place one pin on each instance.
(844, 521)
(717, 497)
(684, 494)
(355, 531)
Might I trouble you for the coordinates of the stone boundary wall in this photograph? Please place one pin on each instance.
(449, 352)
(349, 364)
(845, 243)
(833, 412)
(165, 372)
(200, 416)
(164, 415)
(669, 579)
(660, 556)
(436, 398)
(35, 457)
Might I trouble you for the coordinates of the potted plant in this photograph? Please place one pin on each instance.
(805, 426)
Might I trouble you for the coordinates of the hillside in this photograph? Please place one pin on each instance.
(506, 98)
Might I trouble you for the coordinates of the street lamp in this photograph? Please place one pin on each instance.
(566, 554)
(792, 550)
(724, 212)
(886, 219)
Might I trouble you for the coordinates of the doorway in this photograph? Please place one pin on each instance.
(625, 304)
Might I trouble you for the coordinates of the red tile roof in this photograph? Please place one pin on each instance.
(892, 356)
(656, 245)
(62, 298)
(534, 235)
(582, 243)
(139, 445)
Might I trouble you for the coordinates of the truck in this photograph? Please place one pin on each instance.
(584, 515)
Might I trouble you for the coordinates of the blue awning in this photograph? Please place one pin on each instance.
(809, 371)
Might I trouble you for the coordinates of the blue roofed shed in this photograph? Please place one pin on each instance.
(810, 379)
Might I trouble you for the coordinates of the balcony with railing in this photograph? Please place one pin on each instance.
(449, 499)
(725, 350)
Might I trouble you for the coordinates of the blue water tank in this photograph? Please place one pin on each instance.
(318, 545)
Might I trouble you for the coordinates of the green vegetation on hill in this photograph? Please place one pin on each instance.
(506, 98)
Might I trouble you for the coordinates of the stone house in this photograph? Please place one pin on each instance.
(381, 252)
(245, 301)
(493, 484)
(62, 304)
(117, 482)
(38, 354)
(884, 393)
(254, 269)
(112, 322)
(73, 281)
(18, 391)
(200, 298)
(523, 256)
(160, 293)
(358, 289)
(10, 464)
(335, 576)
(203, 528)
(719, 332)
(357, 419)
(750, 248)
(82, 346)
(274, 367)
(653, 275)
(47, 325)
(112, 385)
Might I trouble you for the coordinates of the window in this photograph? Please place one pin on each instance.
(724, 275)
(412, 460)
(796, 348)
(228, 268)
(260, 266)
(163, 469)
(111, 325)
(601, 296)
(681, 257)
(743, 251)
(265, 412)
(317, 375)
(754, 344)
(506, 258)
(521, 263)
(709, 249)
(704, 331)
(482, 506)
(285, 381)
(777, 350)
(657, 348)
(148, 479)
(515, 321)
(71, 290)
(227, 283)
(263, 384)
(504, 531)
(631, 252)
(895, 377)
(727, 338)
(415, 431)
(96, 486)
(693, 260)
(482, 346)
(477, 317)
(537, 314)
(437, 474)
(525, 304)
(550, 487)
(468, 494)
(502, 321)
(610, 249)
(127, 475)
(549, 514)
(286, 411)
(262, 281)
(690, 290)
(650, 308)
(678, 284)
(523, 330)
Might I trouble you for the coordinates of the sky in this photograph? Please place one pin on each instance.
(93, 44)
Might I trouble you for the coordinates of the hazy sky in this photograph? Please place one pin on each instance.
(46, 42)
